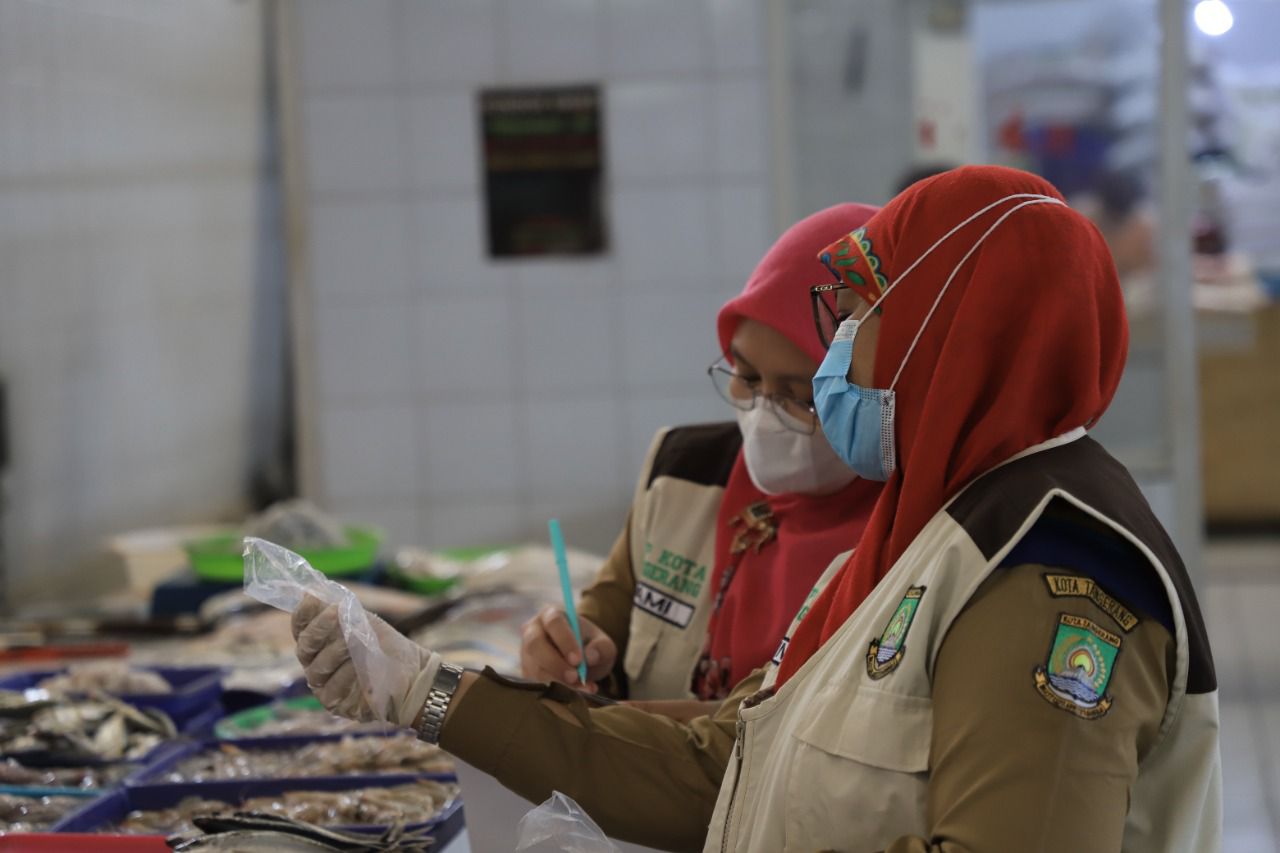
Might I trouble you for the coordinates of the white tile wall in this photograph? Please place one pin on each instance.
(354, 143)
(526, 388)
(130, 232)
(656, 37)
(449, 244)
(361, 35)
(466, 350)
(444, 141)
(370, 453)
(360, 249)
(663, 235)
(469, 450)
(450, 42)
(551, 40)
(658, 130)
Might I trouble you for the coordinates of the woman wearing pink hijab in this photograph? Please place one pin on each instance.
(731, 523)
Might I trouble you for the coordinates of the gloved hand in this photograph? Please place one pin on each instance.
(549, 651)
(331, 675)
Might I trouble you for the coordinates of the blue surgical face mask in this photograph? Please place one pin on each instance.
(857, 421)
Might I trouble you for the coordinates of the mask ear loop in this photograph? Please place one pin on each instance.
(898, 280)
(954, 272)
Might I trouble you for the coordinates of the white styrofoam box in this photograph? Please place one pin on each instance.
(454, 523)
(400, 520)
(737, 34)
(574, 448)
(444, 133)
(663, 234)
(353, 144)
(656, 37)
(743, 231)
(448, 236)
(470, 449)
(551, 40)
(365, 349)
(346, 45)
(741, 131)
(358, 248)
(568, 341)
(646, 413)
(665, 349)
(657, 130)
(451, 41)
(368, 453)
(464, 346)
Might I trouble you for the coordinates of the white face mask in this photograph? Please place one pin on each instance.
(783, 461)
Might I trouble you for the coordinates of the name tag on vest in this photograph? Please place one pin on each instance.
(663, 606)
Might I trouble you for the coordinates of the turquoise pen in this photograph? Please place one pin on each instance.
(562, 562)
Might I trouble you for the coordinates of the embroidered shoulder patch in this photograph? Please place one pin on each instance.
(1081, 661)
(885, 653)
(1076, 586)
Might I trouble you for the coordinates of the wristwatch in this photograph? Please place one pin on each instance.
(442, 690)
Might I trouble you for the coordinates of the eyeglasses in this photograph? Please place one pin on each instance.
(826, 313)
(743, 394)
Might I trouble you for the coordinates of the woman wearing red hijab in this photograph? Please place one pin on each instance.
(1011, 660)
(731, 523)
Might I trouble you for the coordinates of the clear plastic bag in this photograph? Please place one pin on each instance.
(560, 824)
(280, 578)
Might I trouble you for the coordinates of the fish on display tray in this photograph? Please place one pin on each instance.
(101, 728)
(413, 802)
(113, 677)
(90, 777)
(364, 755)
(33, 814)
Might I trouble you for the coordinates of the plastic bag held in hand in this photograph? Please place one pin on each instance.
(561, 824)
(280, 578)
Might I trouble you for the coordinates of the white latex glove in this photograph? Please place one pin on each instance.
(331, 675)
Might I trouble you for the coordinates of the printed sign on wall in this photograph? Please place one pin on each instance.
(544, 171)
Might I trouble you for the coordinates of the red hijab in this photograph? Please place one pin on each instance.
(767, 587)
(1027, 343)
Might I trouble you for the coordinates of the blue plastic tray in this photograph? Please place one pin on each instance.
(165, 759)
(194, 689)
(115, 806)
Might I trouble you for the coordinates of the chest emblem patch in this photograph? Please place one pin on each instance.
(1081, 661)
(885, 653)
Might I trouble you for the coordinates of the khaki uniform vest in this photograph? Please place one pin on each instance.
(836, 760)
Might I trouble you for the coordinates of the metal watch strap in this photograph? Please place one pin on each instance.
(442, 690)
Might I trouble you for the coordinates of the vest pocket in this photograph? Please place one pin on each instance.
(891, 731)
(641, 642)
(858, 770)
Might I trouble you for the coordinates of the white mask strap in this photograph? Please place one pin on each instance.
(954, 272)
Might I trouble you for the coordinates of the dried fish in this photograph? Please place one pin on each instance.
(32, 814)
(414, 802)
(111, 677)
(363, 755)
